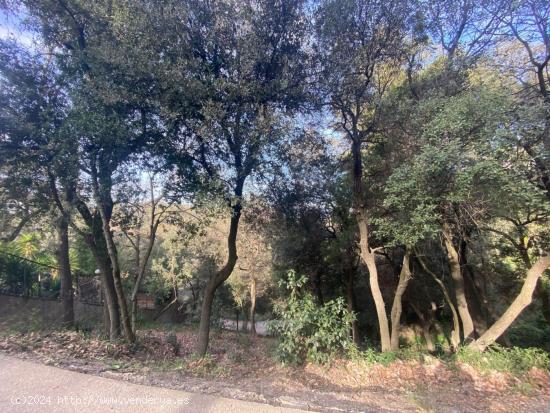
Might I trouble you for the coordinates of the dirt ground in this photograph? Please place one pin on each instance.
(241, 366)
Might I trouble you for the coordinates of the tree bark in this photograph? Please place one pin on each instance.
(253, 306)
(458, 281)
(109, 296)
(64, 265)
(215, 281)
(540, 291)
(113, 256)
(523, 299)
(368, 257)
(96, 243)
(397, 307)
(366, 253)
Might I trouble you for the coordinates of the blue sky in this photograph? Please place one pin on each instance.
(11, 27)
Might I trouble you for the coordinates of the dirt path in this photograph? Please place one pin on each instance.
(29, 387)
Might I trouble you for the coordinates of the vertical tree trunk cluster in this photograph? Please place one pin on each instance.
(101, 189)
(458, 282)
(111, 308)
(367, 254)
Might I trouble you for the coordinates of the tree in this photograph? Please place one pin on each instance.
(359, 43)
(112, 124)
(518, 305)
(457, 180)
(251, 66)
(34, 105)
(150, 209)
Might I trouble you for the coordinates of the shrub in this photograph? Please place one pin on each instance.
(307, 331)
(514, 360)
(531, 334)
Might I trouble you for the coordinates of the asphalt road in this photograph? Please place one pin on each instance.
(29, 387)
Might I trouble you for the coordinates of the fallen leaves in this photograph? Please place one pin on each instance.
(241, 366)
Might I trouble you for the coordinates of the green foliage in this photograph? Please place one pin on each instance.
(371, 356)
(530, 334)
(17, 276)
(514, 360)
(307, 331)
(81, 257)
(20, 265)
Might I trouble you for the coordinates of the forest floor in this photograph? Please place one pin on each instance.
(243, 367)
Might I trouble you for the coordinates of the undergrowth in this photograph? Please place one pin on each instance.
(514, 360)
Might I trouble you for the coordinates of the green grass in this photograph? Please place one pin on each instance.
(372, 356)
(514, 360)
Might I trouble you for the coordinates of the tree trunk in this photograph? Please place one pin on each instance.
(426, 324)
(141, 274)
(206, 313)
(540, 291)
(368, 257)
(96, 242)
(64, 264)
(215, 281)
(458, 281)
(253, 306)
(523, 299)
(112, 251)
(117, 284)
(397, 307)
(455, 333)
(123, 307)
(474, 294)
(110, 299)
(367, 254)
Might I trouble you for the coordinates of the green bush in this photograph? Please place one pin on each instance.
(307, 331)
(514, 360)
(531, 334)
